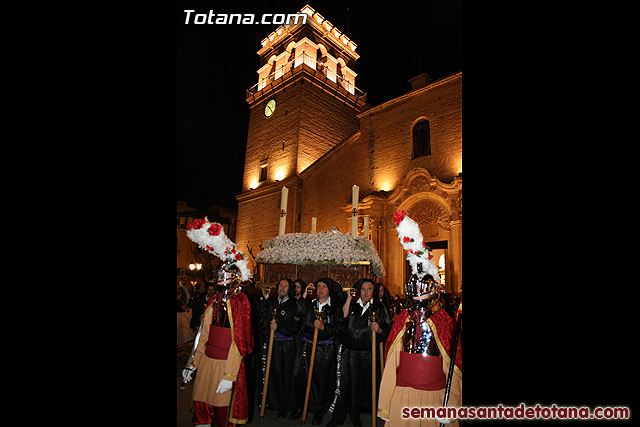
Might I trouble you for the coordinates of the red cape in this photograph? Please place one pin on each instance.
(242, 335)
(444, 326)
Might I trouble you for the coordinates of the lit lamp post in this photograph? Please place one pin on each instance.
(195, 266)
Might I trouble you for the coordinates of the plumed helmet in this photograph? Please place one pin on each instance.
(416, 251)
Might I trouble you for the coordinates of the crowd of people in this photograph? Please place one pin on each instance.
(344, 322)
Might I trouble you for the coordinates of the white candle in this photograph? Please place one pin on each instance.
(283, 210)
(366, 226)
(313, 224)
(354, 210)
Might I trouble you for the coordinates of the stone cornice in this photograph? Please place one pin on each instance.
(411, 94)
(269, 189)
(315, 77)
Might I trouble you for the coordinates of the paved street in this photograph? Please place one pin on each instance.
(270, 419)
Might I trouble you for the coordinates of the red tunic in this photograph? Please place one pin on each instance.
(443, 329)
(219, 342)
(420, 372)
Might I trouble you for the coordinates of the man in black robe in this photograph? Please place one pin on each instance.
(355, 364)
(283, 353)
(329, 325)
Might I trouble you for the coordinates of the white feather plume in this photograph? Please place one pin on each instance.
(415, 249)
(219, 245)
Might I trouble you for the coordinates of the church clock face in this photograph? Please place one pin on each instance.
(270, 108)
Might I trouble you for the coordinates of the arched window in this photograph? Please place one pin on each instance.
(421, 139)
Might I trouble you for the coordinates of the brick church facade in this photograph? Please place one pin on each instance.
(311, 130)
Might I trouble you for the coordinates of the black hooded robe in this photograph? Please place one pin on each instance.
(355, 364)
(323, 381)
(283, 352)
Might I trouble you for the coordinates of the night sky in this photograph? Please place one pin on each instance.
(217, 63)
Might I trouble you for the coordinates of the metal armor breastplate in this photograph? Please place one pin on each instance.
(220, 316)
(419, 338)
(223, 319)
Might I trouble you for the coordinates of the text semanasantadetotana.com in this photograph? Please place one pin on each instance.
(518, 412)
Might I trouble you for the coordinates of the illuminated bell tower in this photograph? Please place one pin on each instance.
(304, 103)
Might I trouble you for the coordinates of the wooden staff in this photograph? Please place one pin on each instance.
(313, 359)
(266, 375)
(381, 357)
(374, 408)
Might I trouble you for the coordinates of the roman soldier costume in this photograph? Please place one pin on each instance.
(417, 356)
(226, 337)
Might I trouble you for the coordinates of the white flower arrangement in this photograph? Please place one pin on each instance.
(210, 236)
(325, 247)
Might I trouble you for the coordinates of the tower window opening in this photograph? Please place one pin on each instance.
(421, 139)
